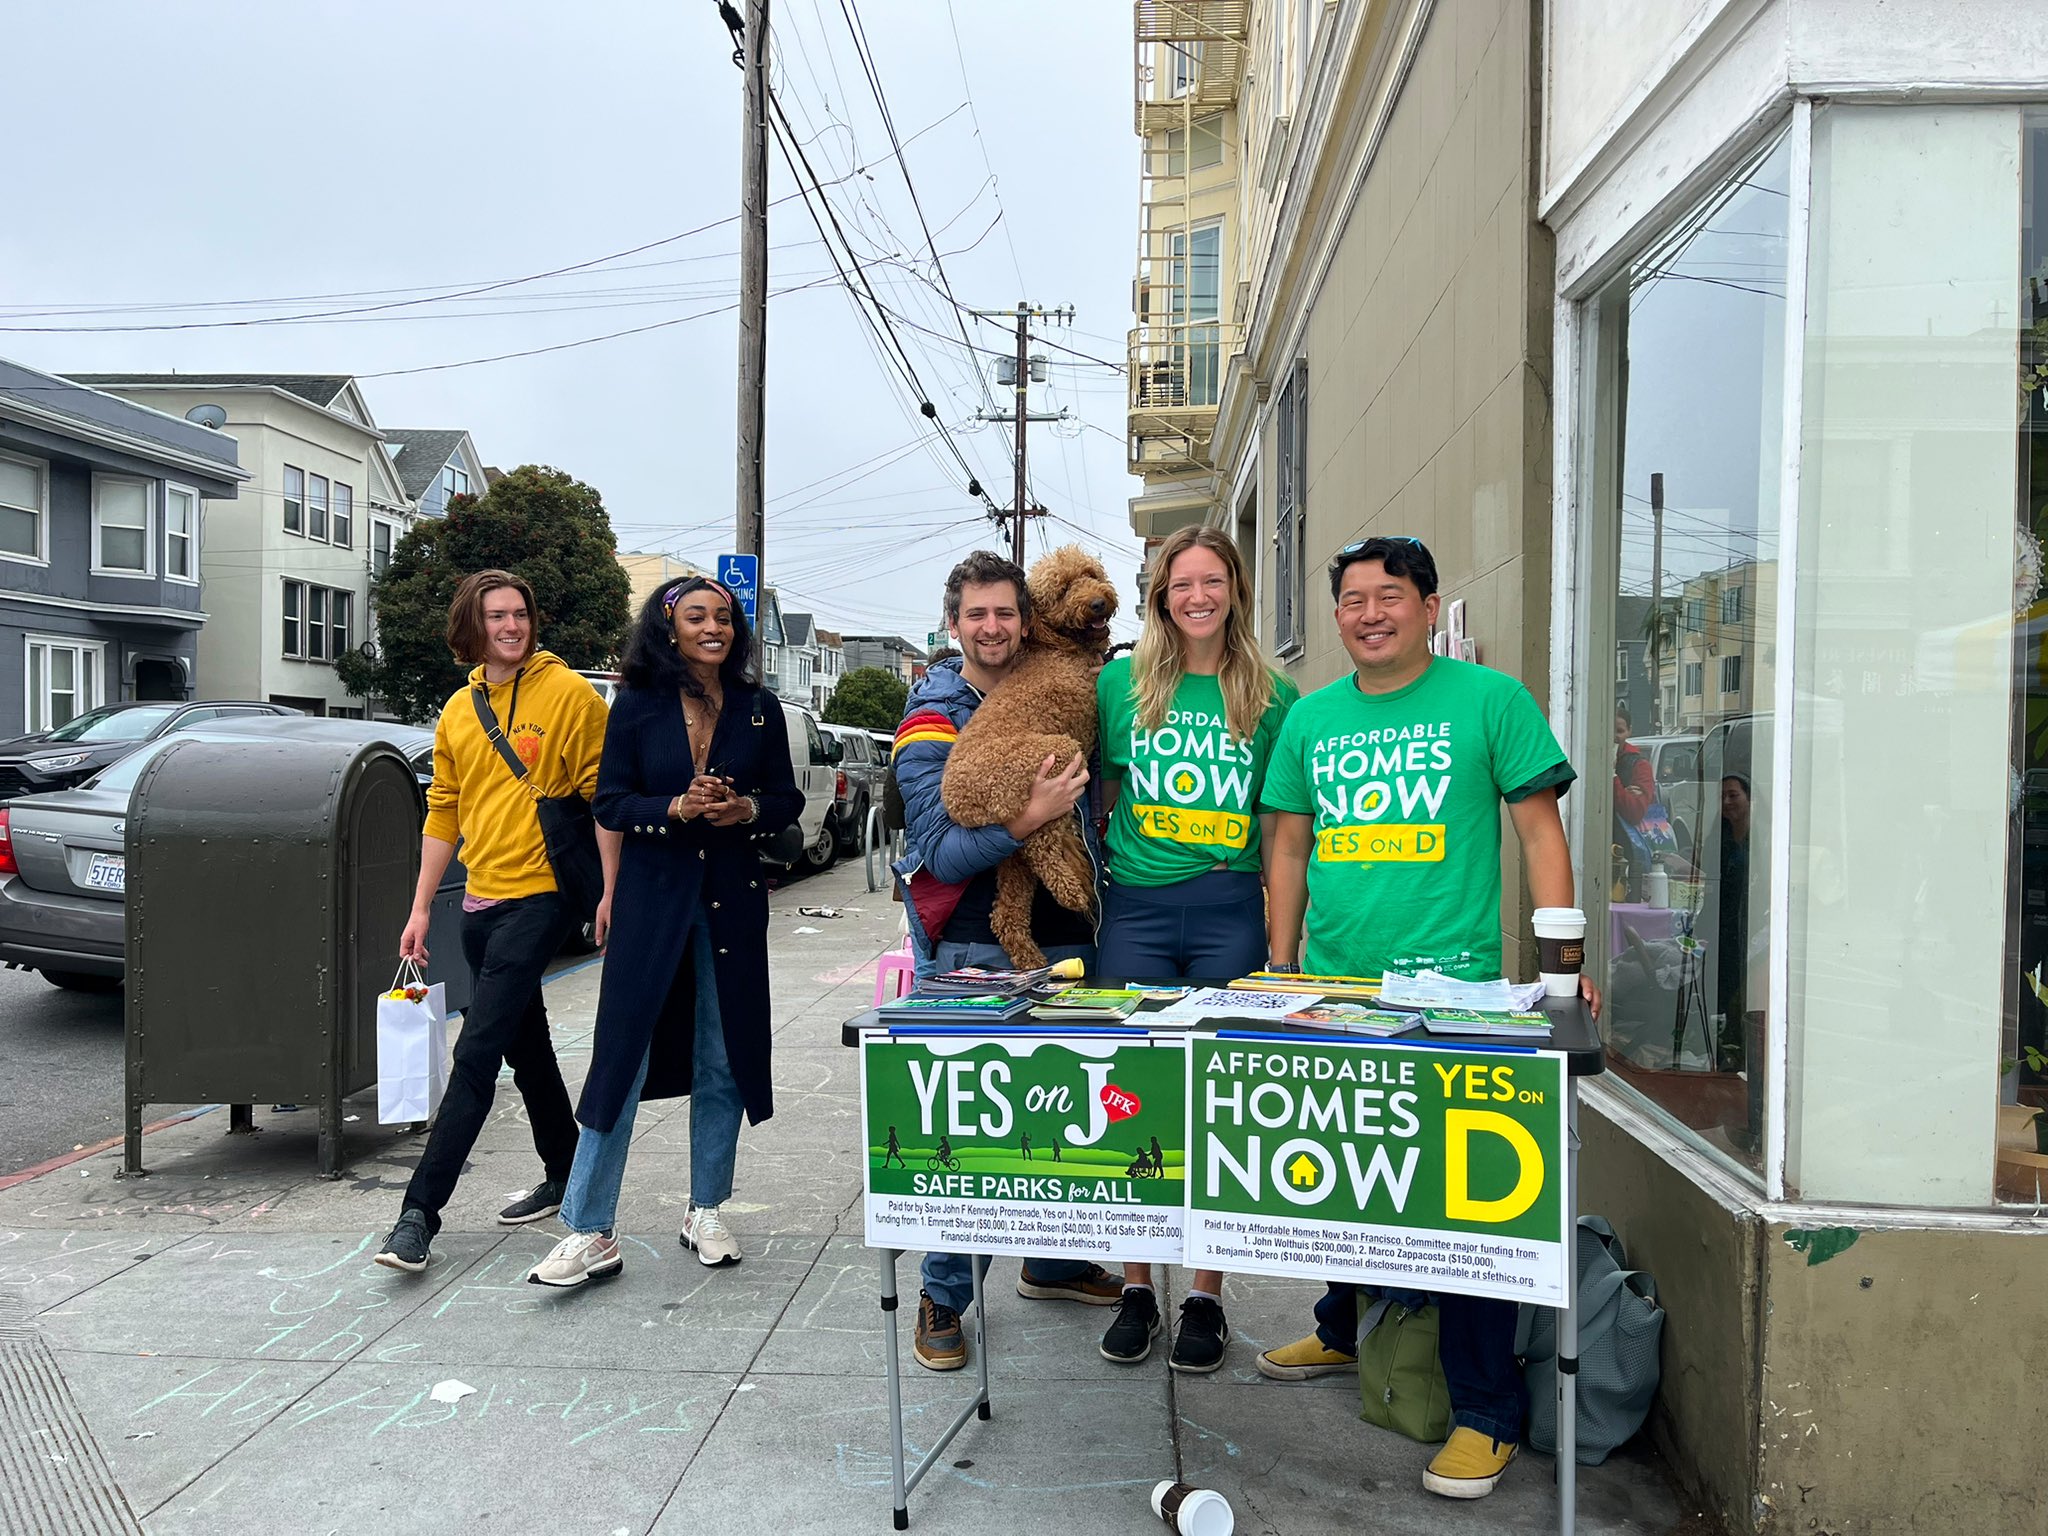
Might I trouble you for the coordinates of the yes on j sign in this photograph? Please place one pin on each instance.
(978, 1102)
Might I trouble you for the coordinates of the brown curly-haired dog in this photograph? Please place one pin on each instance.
(1044, 707)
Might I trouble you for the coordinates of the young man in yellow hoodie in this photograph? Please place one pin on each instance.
(513, 918)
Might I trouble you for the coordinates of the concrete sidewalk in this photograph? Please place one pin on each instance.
(210, 1349)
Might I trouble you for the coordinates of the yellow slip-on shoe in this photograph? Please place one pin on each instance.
(1468, 1466)
(1302, 1359)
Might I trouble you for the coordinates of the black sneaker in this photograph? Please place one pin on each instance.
(1198, 1343)
(537, 1204)
(1129, 1339)
(406, 1247)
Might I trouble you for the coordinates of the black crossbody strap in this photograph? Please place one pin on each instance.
(481, 698)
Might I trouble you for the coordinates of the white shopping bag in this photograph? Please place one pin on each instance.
(412, 1048)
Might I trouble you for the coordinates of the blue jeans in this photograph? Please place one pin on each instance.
(1210, 929)
(945, 1276)
(591, 1202)
(1475, 1342)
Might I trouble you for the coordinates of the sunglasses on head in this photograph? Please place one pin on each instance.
(1379, 538)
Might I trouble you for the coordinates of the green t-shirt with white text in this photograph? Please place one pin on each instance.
(1405, 789)
(1189, 801)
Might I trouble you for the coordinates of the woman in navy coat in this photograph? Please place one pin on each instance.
(696, 771)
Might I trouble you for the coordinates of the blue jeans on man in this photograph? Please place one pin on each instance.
(945, 1276)
(1476, 1345)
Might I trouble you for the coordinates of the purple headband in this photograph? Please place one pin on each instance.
(674, 594)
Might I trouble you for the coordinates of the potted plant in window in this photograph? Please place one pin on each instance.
(2035, 1060)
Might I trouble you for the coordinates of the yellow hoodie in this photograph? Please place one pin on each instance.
(558, 732)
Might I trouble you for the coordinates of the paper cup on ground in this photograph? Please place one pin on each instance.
(1561, 947)
(1193, 1511)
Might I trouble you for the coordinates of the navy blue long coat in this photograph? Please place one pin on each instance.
(668, 872)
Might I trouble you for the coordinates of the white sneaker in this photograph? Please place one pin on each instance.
(579, 1257)
(705, 1231)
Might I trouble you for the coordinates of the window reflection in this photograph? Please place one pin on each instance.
(1685, 464)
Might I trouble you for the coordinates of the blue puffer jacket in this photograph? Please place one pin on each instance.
(941, 856)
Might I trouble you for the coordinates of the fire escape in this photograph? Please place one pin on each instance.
(1190, 66)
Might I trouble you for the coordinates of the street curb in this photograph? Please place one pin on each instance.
(65, 1160)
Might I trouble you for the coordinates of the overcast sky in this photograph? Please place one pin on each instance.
(250, 153)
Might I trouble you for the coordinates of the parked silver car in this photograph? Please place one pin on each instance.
(63, 855)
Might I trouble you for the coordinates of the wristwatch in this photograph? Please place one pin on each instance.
(1278, 969)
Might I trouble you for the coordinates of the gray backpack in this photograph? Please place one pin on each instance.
(1620, 1327)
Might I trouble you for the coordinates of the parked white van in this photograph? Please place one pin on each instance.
(813, 763)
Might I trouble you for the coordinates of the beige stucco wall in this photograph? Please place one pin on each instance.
(1428, 350)
(1824, 1373)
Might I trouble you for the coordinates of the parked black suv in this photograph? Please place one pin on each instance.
(83, 745)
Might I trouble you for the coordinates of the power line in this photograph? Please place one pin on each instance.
(877, 321)
(534, 277)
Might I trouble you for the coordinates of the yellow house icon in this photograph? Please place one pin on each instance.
(1303, 1171)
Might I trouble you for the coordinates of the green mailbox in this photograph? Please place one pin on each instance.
(268, 881)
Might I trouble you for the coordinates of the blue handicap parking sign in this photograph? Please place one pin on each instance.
(742, 576)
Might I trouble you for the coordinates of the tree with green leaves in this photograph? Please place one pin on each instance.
(539, 523)
(870, 698)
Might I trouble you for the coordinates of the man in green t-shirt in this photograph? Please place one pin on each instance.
(1386, 788)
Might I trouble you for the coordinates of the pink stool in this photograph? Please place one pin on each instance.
(894, 973)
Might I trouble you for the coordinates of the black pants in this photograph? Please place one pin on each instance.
(508, 948)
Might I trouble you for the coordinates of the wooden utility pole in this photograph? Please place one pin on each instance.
(1021, 415)
(1657, 723)
(1017, 509)
(751, 531)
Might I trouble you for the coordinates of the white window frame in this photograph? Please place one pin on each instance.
(341, 629)
(450, 473)
(388, 526)
(41, 468)
(294, 647)
(191, 538)
(316, 627)
(92, 663)
(291, 501)
(324, 502)
(341, 514)
(149, 525)
(1731, 665)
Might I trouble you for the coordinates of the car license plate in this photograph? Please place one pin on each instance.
(107, 872)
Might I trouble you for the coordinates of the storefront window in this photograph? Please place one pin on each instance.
(1684, 464)
(1902, 739)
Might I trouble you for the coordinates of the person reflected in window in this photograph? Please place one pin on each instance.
(1732, 963)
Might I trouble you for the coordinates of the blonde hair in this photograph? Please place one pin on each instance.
(1158, 662)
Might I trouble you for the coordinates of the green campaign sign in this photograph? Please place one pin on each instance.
(1070, 1146)
(1396, 1165)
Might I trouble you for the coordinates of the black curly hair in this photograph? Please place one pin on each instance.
(652, 660)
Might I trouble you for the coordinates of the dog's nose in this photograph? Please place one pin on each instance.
(1099, 607)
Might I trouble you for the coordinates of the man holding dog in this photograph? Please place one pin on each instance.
(948, 875)
(1475, 739)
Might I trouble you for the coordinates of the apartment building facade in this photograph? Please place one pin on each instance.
(287, 562)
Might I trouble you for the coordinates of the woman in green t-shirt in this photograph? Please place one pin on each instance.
(1188, 724)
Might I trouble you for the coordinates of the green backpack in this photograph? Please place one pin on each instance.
(1400, 1381)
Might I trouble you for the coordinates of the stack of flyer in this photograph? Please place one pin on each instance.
(1353, 1019)
(1359, 989)
(1092, 1005)
(917, 1009)
(974, 981)
(1472, 1021)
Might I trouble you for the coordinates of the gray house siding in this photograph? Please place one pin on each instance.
(144, 627)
